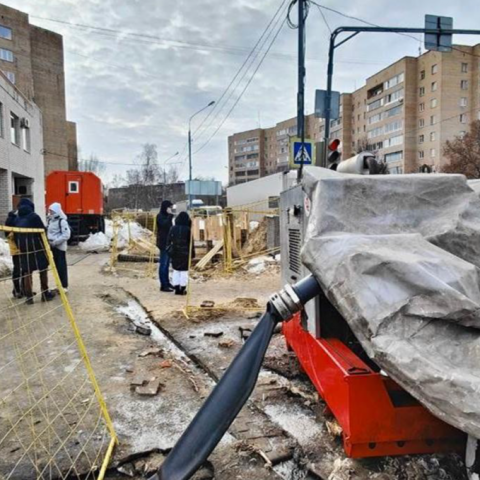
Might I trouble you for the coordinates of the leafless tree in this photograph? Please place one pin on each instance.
(92, 164)
(143, 179)
(362, 145)
(463, 153)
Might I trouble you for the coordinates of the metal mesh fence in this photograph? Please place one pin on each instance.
(54, 423)
(133, 246)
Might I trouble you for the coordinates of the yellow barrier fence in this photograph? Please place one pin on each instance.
(54, 423)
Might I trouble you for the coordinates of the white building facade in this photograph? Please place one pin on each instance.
(21, 151)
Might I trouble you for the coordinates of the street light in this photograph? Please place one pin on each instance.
(165, 171)
(190, 152)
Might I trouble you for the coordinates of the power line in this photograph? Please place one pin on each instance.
(218, 106)
(320, 7)
(245, 88)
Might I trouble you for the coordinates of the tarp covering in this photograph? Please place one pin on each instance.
(398, 255)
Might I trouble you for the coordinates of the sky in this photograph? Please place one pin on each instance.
(148, 65)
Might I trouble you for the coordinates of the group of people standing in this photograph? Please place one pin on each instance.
(174, 240)
(29, 253)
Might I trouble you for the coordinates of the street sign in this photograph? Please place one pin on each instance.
(321, 104)
(438, 41)
(295, 159)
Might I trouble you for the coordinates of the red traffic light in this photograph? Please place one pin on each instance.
(334, 144)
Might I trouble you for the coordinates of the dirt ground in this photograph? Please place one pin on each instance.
(155, 367)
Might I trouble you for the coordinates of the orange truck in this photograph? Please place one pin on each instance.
(81, 196)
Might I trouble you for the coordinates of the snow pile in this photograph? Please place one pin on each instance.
(254, 225)
(259, 265)
(6, 264)
(101, 242)
(98, 242)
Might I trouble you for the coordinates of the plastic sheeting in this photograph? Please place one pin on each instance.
(398, 255)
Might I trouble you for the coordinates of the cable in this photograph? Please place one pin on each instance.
(219, 107)
(325, 20)
(292, 25)
(319, 6)
(244, 89)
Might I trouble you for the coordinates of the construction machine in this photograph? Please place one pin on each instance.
(381, 296)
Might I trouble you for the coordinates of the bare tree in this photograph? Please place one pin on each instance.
(173, 174)
(463, 153)
(92, 164)
(362, 145)
(143, 179)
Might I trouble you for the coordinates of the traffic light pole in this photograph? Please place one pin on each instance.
(301, 83)
(354, 31)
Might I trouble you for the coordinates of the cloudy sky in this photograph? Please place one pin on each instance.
(147, 65)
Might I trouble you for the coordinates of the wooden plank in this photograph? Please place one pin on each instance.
(209, 256)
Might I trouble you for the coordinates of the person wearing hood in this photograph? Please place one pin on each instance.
(32, 251)
(58, 234)
(180, 247)
(14, 252)
(164, 224)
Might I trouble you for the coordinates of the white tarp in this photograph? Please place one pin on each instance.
(398, 255)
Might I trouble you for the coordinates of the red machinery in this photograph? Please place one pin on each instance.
(377, 416)
(81, 197)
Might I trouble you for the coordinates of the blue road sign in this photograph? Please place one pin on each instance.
(296, 153)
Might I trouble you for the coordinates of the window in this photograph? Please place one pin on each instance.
(463, 102)
(390, 142)
(395, 170)
(394, 157)
(375, 132)
(433, 136)
(432, 152)
(393, 126)
(74, 186)
(422, 75)
(434, 86)
(14, 129)
(434, 69)
(433, 103)
(421, 107)
(393, 97)
(392, 111)
(421, 123)
(421, 138)
(374, 105)
(463, 118)
(433, 120)
(421, 154)
(464, 67)
(6, 55)
(5, 32)
(464, 84)
(375, 118)
(422, 91)
(26, 138)
(392, 82)
(10, 76)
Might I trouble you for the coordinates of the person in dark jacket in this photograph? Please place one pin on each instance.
(164, 224)
(180, 248)
(14, 252)
(32, 251)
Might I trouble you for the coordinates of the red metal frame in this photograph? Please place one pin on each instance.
(362, 401)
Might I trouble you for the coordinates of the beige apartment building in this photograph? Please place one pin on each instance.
(405, 113)
(32, 59)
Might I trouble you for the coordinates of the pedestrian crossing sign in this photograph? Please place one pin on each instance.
(295, 159)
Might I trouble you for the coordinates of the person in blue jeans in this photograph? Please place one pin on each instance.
(164, 224)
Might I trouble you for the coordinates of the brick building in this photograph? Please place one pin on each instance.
(404, 113)
(21, 141)
(32, 59)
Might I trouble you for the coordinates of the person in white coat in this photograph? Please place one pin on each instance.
(58, 233)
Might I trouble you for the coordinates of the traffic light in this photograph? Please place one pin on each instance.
(333, 155)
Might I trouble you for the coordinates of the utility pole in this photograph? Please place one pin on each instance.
(301, 83)
(190, 153)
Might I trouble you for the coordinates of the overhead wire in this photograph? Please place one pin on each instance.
(280, 24)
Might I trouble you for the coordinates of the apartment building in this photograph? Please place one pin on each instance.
(21, 143)
(404, 113)
(32, 59)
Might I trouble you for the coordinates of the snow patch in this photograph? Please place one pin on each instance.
(6, 264)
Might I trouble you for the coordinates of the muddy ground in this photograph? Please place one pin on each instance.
(155, 367)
